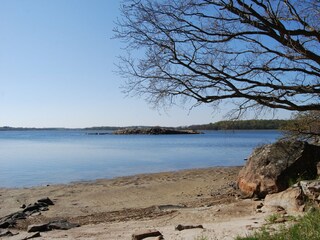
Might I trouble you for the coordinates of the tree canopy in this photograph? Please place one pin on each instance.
(254, 53)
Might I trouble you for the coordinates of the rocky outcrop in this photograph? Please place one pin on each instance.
(11, 219)
(152, 131)
(270, 168)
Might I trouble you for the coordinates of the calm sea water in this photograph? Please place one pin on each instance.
(32, 158)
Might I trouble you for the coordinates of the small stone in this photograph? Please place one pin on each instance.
(23, 206)
(47, 201)
(260, 205)
(38, 228)
(62, 225)
(280, 209)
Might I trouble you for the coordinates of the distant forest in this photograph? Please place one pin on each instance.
(222, 125)
(242, 125)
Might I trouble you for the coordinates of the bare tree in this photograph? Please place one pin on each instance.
(304, 126)
(262, 53)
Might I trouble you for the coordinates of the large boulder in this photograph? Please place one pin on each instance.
(292, 200)
(272, 167)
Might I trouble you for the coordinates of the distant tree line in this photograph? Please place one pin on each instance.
(222, 125)
(102, 128)
(242, 125)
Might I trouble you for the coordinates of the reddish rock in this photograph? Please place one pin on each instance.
(270, 168)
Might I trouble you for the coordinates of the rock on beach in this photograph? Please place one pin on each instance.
(270, 168)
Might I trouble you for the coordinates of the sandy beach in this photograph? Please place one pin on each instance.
(117, 208)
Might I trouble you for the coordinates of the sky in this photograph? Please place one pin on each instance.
(57, 69)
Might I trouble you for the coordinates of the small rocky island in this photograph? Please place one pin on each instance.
(153, 131)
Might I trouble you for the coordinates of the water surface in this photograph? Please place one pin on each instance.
(32, 158)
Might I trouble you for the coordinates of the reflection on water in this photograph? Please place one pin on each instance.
(30, 158)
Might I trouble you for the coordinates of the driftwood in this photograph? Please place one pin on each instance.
(146, 234)
(184, 227)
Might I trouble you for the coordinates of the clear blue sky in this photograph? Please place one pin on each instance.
(57, 63)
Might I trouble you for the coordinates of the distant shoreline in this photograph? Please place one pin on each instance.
(261, 124)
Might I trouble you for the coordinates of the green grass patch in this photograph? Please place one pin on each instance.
(273, 218)
(308, 227)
